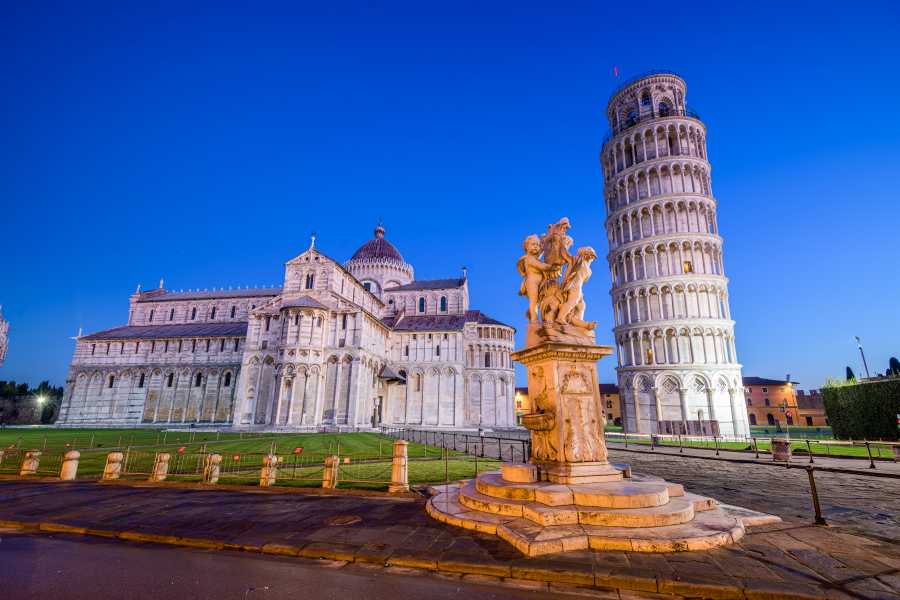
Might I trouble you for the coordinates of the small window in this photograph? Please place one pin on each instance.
(152, 347)
(310, 281)
(443, 303)
(222, 345)
(406, 351)
(236, 342)
(645, 99)
(180, 345)
(487, 359)
(227, 379)
(664, 109)
(212, 313)
(93, 348)
(141, 381)
(171, 314)
(198, 380)
(421, 305)
(233, 311)
(122, 348)
(167, 346)
(418, 382)
(749, 402)
(193, 345)
(112, 380)
(151, 316)
(193, 313)
(297, 320)
(268, 322)
(137, 347)
(207, 345)
(765, 390)
(688, 267)
(437, 350)
(767, 402)
(809, 421)
(170, 379)
(344, 321)
(367, 286)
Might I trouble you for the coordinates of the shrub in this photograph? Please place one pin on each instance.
(865, 410)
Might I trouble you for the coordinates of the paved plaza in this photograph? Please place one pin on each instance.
(856, 556)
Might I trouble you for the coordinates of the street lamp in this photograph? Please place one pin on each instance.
(40, 400)
(863, 354)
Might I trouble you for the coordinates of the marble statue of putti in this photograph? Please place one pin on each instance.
(552, 280)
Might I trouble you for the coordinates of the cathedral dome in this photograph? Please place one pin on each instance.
(378, 249)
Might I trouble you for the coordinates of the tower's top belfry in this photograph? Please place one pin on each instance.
(678, 370)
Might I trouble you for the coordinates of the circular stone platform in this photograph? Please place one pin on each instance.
(642, 513)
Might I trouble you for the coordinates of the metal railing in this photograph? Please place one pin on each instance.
(510, 449)
(649, 116)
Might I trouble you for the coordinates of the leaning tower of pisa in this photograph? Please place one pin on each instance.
(677, 368)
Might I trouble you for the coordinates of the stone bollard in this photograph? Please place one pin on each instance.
(269, 470)
(399, 468)
(330, 476)
(781, 450)
(31, 463)
(2, 454)
(69, 465)
(113, 468)
(160, 467)
(211, 468)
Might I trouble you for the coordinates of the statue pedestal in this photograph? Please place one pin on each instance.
(566, 422)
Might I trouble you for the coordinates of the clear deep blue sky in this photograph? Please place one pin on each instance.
(205, 149)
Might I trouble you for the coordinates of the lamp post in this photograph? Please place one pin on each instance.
(863, 354)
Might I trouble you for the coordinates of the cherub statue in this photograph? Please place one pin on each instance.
(555, 245)
(533, 272)
(564, 303)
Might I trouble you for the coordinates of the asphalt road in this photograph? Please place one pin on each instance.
(81, 568)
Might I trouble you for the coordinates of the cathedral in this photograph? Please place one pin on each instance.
(337, 346)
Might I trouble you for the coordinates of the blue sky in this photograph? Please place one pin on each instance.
(205, 147)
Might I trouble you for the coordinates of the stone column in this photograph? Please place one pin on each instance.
(211, 468)
(682, 396)
(737, 425)
(330, 476)
(567, 425)
(69, 465)
(113, 469)
(399, 468)
(160, 467)
(654, 393)
(269, 471)
(31, 463)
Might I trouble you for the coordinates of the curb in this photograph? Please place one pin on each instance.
(342, 553)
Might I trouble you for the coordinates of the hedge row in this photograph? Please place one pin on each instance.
(865, 410)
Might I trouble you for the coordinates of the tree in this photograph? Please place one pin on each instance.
(850, 375)
(894, 366)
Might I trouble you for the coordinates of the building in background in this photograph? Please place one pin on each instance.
(771, 401)
(811, 409)
(342, 346)
(523, 406)
(612, 404)
(677, 367)
(4, 337)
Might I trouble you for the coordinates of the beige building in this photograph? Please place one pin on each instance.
(345, 346)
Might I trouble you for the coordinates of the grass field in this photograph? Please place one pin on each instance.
(799, 447)
(369, 454)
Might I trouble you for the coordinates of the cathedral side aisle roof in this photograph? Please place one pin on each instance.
(440, 322)
(155, 296)
(234, 329)
(429, 284)
(303, 302)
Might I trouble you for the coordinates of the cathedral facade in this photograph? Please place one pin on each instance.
(343, 346)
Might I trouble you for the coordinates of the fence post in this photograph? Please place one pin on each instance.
(113, 468)
(211, 468)
(809, 450)
(160, 467)
(815, 496)
(269, 471)
(399, 468)
(330, 476)
(869, 452)
(756, 446)
(31, 463)
(70, 465)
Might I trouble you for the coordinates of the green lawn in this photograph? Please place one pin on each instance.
(369, 455)
(798, 447)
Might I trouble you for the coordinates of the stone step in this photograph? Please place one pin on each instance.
(675, 512)
(614, 494)
(447, 509)
(708, 529)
